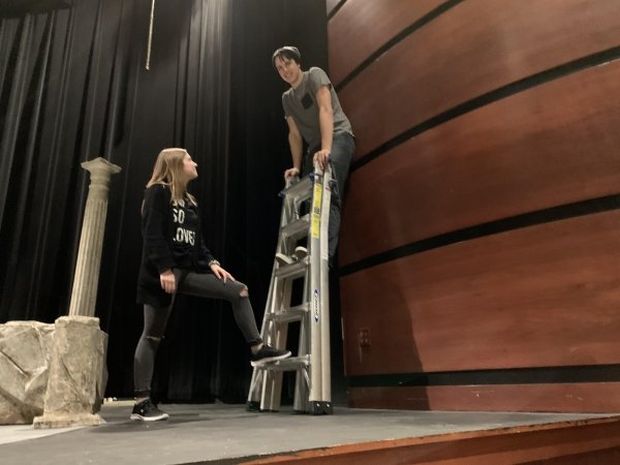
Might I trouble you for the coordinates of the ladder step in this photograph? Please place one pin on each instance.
(296, 229)
(299, 191)
(294, 270)
(290, 315)
(288, 364)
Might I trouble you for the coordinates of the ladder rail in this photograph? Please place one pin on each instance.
(257, 375)
(324, 277)
(314, 240)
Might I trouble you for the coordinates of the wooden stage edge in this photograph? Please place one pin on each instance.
(582, 442)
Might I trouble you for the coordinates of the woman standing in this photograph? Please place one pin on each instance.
(176, 260)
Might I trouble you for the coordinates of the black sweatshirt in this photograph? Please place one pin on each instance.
(171, 238)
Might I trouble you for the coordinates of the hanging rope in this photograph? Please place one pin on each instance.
(148, 50)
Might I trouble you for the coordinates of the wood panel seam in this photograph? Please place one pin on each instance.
(537, 375)
(335, 10)
(399, 37)
(548, 215)
(513, 88)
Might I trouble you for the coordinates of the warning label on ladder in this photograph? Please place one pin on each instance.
(315, 222)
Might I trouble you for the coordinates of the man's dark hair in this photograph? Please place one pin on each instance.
(289, 52)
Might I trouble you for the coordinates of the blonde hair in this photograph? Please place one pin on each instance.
(168, 171)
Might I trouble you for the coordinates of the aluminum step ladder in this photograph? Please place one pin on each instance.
(310, 264)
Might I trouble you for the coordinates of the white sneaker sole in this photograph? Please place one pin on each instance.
(284, 259)
(138, 417)
(262, 361)
(300, 252)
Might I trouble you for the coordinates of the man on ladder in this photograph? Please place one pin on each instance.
(313, 114)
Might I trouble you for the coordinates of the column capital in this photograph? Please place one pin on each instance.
(100, 165)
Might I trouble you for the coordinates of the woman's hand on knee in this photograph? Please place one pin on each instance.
(221, 273)
(168, 282)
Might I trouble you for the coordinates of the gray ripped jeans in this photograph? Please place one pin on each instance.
(156, 319)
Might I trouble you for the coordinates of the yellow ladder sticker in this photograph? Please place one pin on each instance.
(315, 222)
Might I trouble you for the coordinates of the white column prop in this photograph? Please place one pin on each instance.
(77, 374)
(86, 278)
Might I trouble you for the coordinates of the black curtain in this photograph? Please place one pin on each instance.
(73, 86)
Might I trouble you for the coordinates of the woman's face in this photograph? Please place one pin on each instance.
(189, 167)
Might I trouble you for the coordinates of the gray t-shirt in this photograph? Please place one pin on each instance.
(300, 104)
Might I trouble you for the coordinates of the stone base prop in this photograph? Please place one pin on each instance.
(77, 374)
(64, 420)
(25, 348)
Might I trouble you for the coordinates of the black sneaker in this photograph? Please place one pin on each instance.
(147, 411)
(268, 354)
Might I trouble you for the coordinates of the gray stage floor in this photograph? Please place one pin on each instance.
(211, 433)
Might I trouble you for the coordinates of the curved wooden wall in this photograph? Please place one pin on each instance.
(381, 23)
(480, 244)
(331, 5)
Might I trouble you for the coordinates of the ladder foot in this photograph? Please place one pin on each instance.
(321, 408)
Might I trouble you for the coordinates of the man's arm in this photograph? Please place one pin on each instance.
(296, 145)
(326, 124)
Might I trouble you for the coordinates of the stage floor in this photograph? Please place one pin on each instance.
(219, 433)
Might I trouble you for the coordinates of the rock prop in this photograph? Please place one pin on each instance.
(25, 353)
